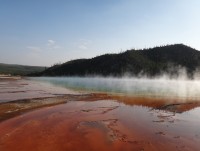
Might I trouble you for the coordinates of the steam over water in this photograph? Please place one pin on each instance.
(131, 86)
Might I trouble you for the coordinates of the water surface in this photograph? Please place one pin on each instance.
(101, 125)
(188, 89)
(148, 115)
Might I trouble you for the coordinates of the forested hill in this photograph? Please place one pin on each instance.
(14, 69)
(151, 62)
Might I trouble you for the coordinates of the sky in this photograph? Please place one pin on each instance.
(46, 32)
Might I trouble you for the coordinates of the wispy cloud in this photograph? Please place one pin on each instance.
(52, 45)
(35, 52)
(84, 44)
(51, 42)
(84, 47)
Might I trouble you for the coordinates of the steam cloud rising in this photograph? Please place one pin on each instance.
(162, 86)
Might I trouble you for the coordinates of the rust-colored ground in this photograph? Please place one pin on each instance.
(100, 122)
(98, 125)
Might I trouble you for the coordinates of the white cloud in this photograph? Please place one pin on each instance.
(37, 52)
(52, 45)
(84, 44)
(51, 42)
(84, 47)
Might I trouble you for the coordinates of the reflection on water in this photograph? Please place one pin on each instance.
(99, 121)
(101, 125)
(136, 87)
(12, 90)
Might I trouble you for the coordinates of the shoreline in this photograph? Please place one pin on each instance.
(96, 122)
(47, 96)
(59, 119)
(18, 107)
(9, 77)
(21, 106)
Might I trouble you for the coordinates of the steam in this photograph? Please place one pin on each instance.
(179, 86)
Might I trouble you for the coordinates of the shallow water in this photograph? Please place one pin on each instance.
(187, 89)
(101, 125)
(98, 121)
(12, 90)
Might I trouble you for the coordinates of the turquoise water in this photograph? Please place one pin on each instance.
(131, 86)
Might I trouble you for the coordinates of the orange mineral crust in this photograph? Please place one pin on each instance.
(101, 125)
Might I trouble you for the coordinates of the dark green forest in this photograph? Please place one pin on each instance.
(150, 62)
(19, 69)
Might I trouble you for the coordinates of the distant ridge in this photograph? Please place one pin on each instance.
(14, 69)
(150, 62)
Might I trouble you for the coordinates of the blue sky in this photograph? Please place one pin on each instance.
(44, 32)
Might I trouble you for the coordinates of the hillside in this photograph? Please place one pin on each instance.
(19, 69)
(151, 62)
